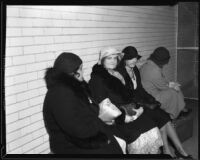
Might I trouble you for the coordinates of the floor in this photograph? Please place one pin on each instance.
(191, 145)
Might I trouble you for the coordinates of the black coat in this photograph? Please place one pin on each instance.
(72, 121)
(159, 116)
(139, 94)
(103, 85)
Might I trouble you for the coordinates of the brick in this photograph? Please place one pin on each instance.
(41, 147)
(54, 47)
(46, 137)
(12, 136)
(30, 152)
(36, 117)
(10, 99)
(36, 84)
(18, 60)
(36, 100)
(13, 51)
(32, 144)
(29, 111)
(39, 132)
(44, 57)
(41, 73)
(12, 12)
(8, 61)
(42, 22)
(32, 31)
(9, 81)
(19, 142)
(42, 91)
(53, 31)
(34, 49)
(21, 41)
(62, 39)
(11, 32)
(36, 67)
(31, 128)
(27, 95)
(50, 63)
(25, 77)
(44, 40)
(30, 13)
(15, 89)
(12, 118)
(17, 125)
(45, 151)
(19, 22)
(16, 107)
(16, 151)
(9, 71)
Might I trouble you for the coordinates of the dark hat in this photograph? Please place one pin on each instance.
(160, 56)
(67, 62)
(130, 52)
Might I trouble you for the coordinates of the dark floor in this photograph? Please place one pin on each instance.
(191, 144)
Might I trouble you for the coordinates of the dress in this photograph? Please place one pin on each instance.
(102, 86)
(156, 84)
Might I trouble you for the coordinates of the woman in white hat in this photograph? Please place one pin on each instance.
(141, 134)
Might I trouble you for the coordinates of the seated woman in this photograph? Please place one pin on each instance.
(155, 83)
(71, 120)
(141, 134)
(128, 69)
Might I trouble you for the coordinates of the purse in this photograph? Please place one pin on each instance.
(108, 111)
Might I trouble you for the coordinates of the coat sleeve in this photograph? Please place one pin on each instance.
(158, 80)
(98, 91)
(74, 118)
(142, 92)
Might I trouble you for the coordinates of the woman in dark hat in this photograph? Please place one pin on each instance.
(128, 69)
(155, 83)
(141, 134)
(70, 117)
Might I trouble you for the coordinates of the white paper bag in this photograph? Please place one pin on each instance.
(108, 111)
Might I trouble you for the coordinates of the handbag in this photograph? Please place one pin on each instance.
(108, 111)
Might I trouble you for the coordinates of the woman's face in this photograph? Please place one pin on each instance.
(131, 63)
(79, 74)
(110, 62)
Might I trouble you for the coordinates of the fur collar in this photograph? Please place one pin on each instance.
(54, 77)
(111, 82)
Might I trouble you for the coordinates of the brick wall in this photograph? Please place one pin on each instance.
(36, 35)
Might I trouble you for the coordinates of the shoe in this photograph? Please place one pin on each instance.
(180, 156)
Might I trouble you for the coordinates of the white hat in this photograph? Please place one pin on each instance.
(109, 51)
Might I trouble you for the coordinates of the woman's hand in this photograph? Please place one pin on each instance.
(174, 85)
(139, 111)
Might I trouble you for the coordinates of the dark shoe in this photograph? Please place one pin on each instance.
(180, 156)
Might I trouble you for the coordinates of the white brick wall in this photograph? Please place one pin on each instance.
(36, 35)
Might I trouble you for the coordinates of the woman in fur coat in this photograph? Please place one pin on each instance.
(70, 118)
(142, 135)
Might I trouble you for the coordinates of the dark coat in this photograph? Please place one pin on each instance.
(103, 85)
(72, 121)
(139, 94)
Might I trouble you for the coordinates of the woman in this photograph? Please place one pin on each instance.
(154, 82)
(141, 134)
(71, 120)
(128, 69)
